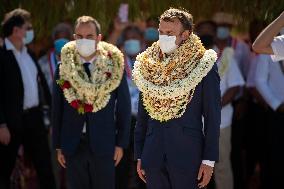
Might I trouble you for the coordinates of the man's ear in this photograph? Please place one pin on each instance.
(185, 35)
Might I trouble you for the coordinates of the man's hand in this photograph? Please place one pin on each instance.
(5, 135)
(61, 158)
(204, 175)
(140, 171)
(118, 154)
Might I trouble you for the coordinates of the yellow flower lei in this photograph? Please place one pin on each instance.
(106, 75)
(223, 66)
(168, 83)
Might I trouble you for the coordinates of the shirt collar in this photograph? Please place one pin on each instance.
(9, 46)
(91, 61)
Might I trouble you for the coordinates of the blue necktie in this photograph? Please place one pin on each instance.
(86, 67)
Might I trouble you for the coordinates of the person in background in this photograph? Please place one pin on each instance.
(257, 119)
(269, 82)
(115, 30)
(225, 23)
(23, 93)
(131, 45)
(268, 42)
(151, 33)
(231, 80)
(61, 34)
(206, 30)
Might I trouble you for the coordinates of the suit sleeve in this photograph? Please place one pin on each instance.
(56, 113)
(2, 82)
(140, 129)
(123, 114)
(212, 114)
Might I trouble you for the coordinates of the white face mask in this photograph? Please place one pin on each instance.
(29, 37)
(86, 47)
(167, 43)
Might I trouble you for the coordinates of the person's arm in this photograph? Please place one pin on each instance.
(56, 112)
(234, 81)
(139, 136)
(118, 27)
(229, 95)
(5, 135)
(211, 96)
(212, 114)
(2, 86)
(262, 44)
(123, 114)
(140, 129)
(261, 79)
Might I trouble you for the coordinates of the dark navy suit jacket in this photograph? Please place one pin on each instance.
(184, 142)
(107, 128)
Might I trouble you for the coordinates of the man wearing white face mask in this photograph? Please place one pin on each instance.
(179, 85)
(23, 93)
(91, 108)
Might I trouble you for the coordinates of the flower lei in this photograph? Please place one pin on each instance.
(223, 65)
(90, 94)
(168, 83)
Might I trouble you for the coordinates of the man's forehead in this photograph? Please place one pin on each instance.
(85, 27)
(174, 24)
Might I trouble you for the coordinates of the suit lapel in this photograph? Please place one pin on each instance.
(13, 67)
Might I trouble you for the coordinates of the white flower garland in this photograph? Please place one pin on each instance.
(165, 97)
(106, 74)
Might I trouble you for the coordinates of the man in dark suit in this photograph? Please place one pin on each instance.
(175, 147)
(23, 92)
(91, 108)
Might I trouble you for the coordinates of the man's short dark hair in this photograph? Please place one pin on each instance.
(88, 19)
(15, 18)
(182, 15)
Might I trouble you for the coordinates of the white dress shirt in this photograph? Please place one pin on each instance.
(269, 81)
(277, 46)
(29, 75)
(231, 78)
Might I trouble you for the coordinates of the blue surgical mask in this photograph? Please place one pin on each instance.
(223, 32)
(132, 47)
(151, 34)
(58, 44)
(29, 37)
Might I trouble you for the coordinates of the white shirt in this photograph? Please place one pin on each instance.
(29, 75)
(242, 57)
(269, 81)
(232, 78)
(277, 46)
